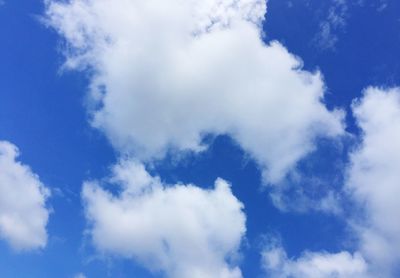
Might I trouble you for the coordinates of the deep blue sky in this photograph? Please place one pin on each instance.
(42, 112)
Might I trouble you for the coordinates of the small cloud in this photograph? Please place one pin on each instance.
(23, 211)
(382, 5)
(326, 38)
(277, 263)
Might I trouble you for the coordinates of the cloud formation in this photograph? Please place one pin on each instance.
(164, 74)
(327, 38)
(373, 184)
(374, 177)
(181, 230)
(23, 212)
(312, 264)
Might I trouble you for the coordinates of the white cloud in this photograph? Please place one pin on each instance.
(374, 177)
(382, 5)
(335, 21)
(165, 73)
(23, 213)
(313, 265)
(287, 201)
(373, 182)
(181, 230)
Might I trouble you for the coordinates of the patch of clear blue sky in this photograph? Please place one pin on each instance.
(42, 112)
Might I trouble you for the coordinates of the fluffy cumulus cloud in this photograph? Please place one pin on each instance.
(373, 183)
(180, 230)
(23, 212)
(166, 73)
(374, 177)
(313, 264)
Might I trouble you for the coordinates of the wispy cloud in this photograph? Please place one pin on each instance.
(382, 5)
(327, 36)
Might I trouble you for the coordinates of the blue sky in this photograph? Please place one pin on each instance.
(102, 98)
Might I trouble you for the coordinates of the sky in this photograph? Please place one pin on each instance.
(215, 138)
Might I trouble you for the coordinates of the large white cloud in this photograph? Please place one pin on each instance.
(374, 177)
(277, 264)
(181, 230)
(23, 212)
(165, 73)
